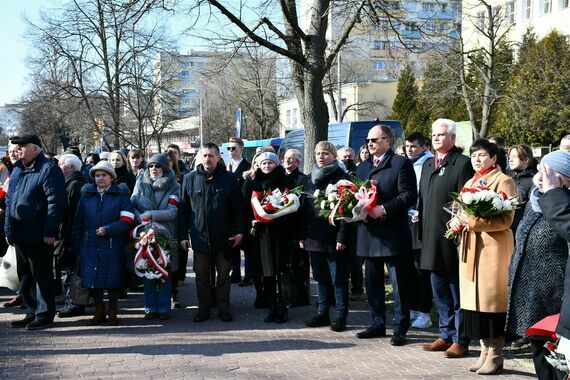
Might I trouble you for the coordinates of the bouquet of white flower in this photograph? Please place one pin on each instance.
(481, 202)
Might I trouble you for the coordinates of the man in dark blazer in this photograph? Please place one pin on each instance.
(385, 239)
(445, 173)
(238, 165)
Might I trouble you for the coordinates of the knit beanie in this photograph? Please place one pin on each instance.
(104, 166)
(268, 156)
(559, 161)
(162, 160)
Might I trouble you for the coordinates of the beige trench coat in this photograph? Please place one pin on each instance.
(485, 252)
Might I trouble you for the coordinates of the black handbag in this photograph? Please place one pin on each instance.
(79, 295)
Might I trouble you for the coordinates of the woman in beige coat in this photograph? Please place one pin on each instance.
(485, 252)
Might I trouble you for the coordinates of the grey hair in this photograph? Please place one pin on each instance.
(448, 123)
(70, 159)
(346, 148)
(295, 153)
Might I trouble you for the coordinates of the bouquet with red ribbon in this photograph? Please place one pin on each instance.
(270, 205)
(350, 201)
(151, 242)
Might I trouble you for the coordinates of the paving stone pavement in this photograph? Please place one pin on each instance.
(247, 348)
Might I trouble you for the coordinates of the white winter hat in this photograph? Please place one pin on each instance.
(104, 166)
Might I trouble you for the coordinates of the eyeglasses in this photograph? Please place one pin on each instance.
(231, 148)
(150, 166)
(376, 139)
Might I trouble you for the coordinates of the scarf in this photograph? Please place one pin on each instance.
(319, 175)
(102, 191)
(534, 197)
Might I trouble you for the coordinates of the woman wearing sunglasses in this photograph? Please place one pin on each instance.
(155, 199)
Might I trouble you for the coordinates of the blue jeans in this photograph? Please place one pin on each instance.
(446, 293)
(375, 289)
(331, 269)
(156, 296)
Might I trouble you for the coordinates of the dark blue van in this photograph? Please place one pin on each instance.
(350, 133)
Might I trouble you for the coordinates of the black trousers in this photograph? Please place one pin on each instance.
(421, 296)
(37, 285)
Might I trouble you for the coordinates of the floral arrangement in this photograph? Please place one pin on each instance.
(481, 202)
(555, 358)
(151, 242)
(346, 200)
(270, 205)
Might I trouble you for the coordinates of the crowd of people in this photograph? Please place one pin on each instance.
(67, 216)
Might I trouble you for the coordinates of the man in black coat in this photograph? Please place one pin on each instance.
(385, 238)
(35, 205)
(212, 214)
(70, 165)
(445, 173)
(238, 165)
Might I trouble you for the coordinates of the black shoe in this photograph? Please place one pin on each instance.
(235, 280)
(319, 320)
(246, 282)
(282, 315)
(225, 316)
(271, 316)
(520, 342)
(201, 317)
(372, 332)
(73, 311)
(29, 318)
(339, 324)
(39, 324)
(175, 302)
(398, 340)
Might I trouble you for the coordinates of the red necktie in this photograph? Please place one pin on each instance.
(377, 161)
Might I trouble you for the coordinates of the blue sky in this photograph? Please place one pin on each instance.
(13, 72)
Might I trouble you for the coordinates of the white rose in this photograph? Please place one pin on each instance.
(467, 198)
(142, 265)
(330, 188)
(497, 203)
(332, 197)
(316, 193)
(488, 195)
(323, 205)
(508, 205)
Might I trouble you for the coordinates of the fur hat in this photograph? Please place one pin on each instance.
(104, 166)
(267, 156)
(104, 156)
(161, 159)
(559, 161)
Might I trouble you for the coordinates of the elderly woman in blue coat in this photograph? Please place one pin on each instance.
(100, 233)
(155, 199)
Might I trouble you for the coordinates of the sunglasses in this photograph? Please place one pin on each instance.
(375, 140)
(150, 166)
(231, 148)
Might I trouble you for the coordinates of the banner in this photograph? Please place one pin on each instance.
(238, 122)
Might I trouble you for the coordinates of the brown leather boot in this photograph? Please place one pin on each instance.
(99, 316)
(494, 362)
(437, 345)
(113, 320)
(484, 349)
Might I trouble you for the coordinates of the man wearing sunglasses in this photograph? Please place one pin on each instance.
(238, 165)
(385, 240)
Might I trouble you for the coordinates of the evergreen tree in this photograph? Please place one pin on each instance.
(406, 97)
(537, 106)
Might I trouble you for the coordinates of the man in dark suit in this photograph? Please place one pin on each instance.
(238, 165)
(385, 238)
(445, 173)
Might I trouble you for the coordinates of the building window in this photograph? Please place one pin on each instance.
(428, 7)
(528, 9)
(456, 8)
(546, 7)
(443, 7)
(564, 3)
(430, 27)
(378, 65)
(510, 12)
(378, 45)
(288, 119)
(294, 118)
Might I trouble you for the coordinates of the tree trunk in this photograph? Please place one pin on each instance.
(315, 117)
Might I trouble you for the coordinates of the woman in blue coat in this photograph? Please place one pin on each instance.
(102, 222)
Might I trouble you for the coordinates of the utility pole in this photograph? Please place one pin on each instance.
(201, 124)
(339, 101)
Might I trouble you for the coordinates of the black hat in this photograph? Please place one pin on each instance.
(27, 139)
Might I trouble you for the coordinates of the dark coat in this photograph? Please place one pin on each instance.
(243, 166)
(523, 181)
(397, 192)
(126, 177)
(438, 253)
(272, 243)
(321, 236)
(211, 210)
(536, 273)
(102, 259)
(36, 202)
(73, 182)
(183, 168)
(555, 205)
